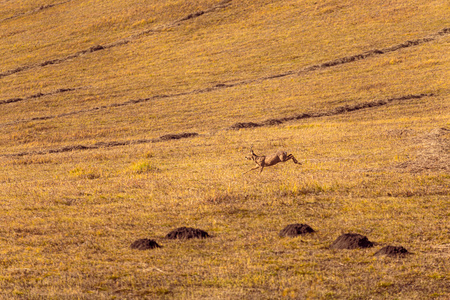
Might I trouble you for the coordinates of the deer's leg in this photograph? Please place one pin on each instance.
(290, 156)
(252, 169)
(262, 167)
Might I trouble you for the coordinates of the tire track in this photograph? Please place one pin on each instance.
(36, 10)
(333, 112)
(312, 68)
(236, 126)
(117, 43)
(38, 95)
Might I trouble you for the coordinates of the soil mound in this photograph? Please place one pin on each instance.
(351, 241)
(187, 233)
(144, 244)
(293, 230)
(178, 136)
(245, 125)
(392, 251)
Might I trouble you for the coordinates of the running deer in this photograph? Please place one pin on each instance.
(270, 160)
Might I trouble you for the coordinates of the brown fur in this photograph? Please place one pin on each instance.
(270, 160)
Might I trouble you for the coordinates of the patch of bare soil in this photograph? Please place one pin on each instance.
(144, 244)
(293, 230)
(351, 241)
(187, 233)
(433, 152)
(392, 251)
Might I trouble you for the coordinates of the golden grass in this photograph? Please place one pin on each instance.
(70, 217)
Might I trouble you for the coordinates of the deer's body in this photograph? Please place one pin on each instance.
(270, 160)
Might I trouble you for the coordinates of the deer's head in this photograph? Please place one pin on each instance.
(251, 155)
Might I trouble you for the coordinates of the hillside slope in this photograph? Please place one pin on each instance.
(124, 121)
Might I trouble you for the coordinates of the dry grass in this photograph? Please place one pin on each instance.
(71, 216)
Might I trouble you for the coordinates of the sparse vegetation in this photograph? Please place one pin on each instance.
(121, 122)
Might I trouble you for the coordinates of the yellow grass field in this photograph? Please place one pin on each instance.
(124, 120)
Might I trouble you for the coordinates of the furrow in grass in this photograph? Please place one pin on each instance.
(336, 111)
(332, 63)
(33, 11)
(374, 52)
(110, 144)
(117, 43)
(39, 94)
(270, 122)
(97, 108)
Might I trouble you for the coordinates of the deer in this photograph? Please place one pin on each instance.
(266, 161)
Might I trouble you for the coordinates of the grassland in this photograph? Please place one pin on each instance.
(87, 88)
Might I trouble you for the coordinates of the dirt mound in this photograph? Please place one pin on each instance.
(293, 230)
(187, 233)
(392, 251)
(245, 125)
(177, 136)
(433, 152)
(192, 16)
(144, 244)
(351, 241)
